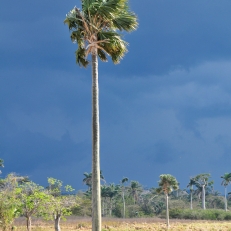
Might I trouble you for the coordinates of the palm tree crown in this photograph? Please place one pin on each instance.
(2, 163)
(191, 183)
(226, 179)
(88, 178)
(94, 29)
(167, 184)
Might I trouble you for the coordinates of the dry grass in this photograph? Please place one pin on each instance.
(140, 224)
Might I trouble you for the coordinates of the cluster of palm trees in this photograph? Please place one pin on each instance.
(167, 184)
(110, 191)
(203, 183)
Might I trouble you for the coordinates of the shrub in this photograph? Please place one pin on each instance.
(199, 214)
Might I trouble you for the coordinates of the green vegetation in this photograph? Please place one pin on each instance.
(198, 214)
(20, 197)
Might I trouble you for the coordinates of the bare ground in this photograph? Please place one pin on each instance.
(116, 224)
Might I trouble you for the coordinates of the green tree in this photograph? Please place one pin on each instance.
(104, 195)
(123, 181)
(9, 201)
(112, 191)
(83, 207)
(94, 29)
(33, 199)
(59, 203)
(202, 181)
(167, 184)
(226, 181)
(134, 190)
(190, 186)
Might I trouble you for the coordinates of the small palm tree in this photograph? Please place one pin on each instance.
(123, 181)
(94, 29)
(167, 184)
(104, 196)
(112, 191)
(226, 181)
(134, 189)
(190, 185)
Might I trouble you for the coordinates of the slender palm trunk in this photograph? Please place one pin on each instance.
(96, 196)
(134, 198)
(167, 212)
(111, 205)
(191, 206)
(106, 207)
(203, 197)
(123, 203)
(103, 215)
(225, 200)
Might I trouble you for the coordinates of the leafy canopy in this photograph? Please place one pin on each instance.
(167, 184)
(94, 28)
(226, 179)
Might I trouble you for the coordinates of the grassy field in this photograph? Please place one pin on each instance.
(140, 224)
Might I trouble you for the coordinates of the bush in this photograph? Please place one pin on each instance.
(134, 211)
(199, 214)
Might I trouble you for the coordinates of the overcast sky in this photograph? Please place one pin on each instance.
(166, 108)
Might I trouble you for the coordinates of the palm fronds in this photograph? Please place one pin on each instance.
(94, 29)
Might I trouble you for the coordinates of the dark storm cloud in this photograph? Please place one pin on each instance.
(171, 35)
(178, 34)
(161, 152)
(38, 91)
(26, 151)
(164, 106)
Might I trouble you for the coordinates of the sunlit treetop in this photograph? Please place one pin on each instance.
(95, 29)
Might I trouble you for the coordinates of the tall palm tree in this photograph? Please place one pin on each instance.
(202, 182)
(190, 185)
(112, 191)
(167, 184)
(226, 181)
(123, 181)
(134, 189)
(94, 28)
(104, 196)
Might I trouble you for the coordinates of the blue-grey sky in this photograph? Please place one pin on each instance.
(166, 108)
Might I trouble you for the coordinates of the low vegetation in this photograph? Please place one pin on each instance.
(209, 214)
(125, 206)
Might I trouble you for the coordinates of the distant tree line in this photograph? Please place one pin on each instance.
(20, 197)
